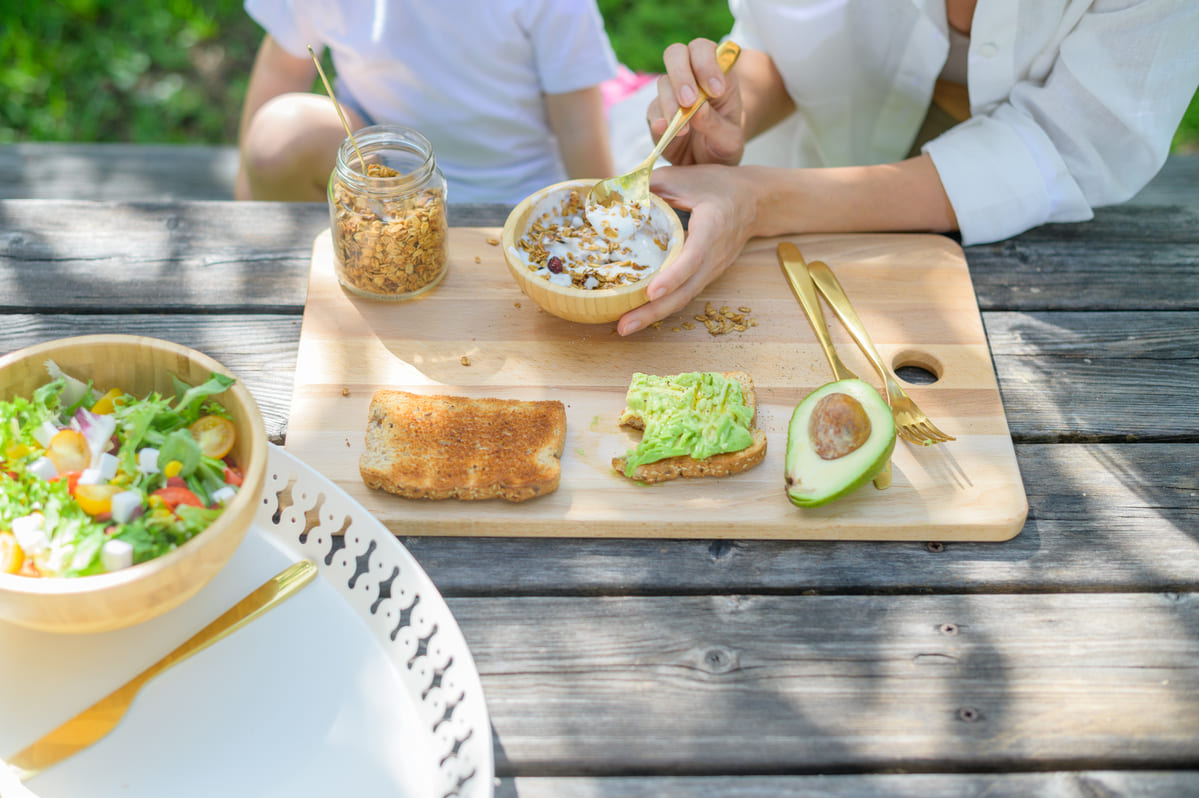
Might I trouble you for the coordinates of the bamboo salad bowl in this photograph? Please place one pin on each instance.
(138, 366)
(594, 306)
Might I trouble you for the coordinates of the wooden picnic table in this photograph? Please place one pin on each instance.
(1062, 662)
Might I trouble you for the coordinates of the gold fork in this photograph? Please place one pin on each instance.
(911, 422)
(794, 268)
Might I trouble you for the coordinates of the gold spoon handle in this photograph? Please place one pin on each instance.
(102, 717)
(805, 290)
(726, 56)
(830, 286)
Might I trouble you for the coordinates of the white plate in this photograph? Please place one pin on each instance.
(361, 684)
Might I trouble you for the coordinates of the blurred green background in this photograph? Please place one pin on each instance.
(176, 70)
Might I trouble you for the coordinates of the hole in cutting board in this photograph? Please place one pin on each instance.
(917, 368)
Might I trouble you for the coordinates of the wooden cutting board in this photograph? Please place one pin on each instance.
(477, 335)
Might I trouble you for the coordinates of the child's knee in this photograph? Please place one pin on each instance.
(274, 137)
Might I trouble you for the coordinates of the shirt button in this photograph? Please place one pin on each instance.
(988, 50)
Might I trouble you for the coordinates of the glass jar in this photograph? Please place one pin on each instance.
(389, 222)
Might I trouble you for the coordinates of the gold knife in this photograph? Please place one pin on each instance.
(795, 268)
(102, 717)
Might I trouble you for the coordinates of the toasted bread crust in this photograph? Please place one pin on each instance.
(718, 465)
(455, 447)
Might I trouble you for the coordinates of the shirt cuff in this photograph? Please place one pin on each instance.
(1002, 179)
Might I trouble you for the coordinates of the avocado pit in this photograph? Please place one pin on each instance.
(838, 425)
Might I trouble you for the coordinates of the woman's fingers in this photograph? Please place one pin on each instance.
(715, 236)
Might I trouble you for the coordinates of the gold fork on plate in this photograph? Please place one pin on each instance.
(912, 423)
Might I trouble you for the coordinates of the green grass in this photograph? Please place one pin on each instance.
(176, 70)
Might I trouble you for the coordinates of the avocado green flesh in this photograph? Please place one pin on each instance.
(812, 481)
(697, 414)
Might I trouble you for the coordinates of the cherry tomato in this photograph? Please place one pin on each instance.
(96, 499)
(16, 451)
(233, 476)
(215, 434)
(106, 404)
(68, 450)
(172, 497)
(11, 556)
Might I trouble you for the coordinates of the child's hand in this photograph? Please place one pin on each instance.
(714, 134)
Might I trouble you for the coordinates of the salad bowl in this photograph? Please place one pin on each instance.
(119, 598)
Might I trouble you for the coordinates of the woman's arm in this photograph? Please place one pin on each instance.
(731, 204)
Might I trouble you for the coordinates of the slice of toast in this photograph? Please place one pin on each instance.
(718, 465)
(455, 447)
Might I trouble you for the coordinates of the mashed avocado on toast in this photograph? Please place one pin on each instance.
(698, 421)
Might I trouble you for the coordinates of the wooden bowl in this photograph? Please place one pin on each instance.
(138, 366)
(597, 306)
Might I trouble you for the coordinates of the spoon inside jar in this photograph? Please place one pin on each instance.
(375, 204)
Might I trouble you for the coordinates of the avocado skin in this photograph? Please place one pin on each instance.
(882, 440)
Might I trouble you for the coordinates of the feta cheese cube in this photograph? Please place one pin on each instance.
(224, 495)
(45, 432)
(125, 504)
(30, 532)
(43, 468)
(147, 460)
(116, 554)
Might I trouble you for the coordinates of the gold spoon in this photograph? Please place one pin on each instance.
(337, 106)
(634, 185)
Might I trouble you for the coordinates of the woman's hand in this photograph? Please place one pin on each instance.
(722, 204)
(714, 134)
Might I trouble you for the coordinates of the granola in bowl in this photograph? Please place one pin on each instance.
(570, 242)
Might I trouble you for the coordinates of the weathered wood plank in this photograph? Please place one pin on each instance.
(117, 172)
(1134, 258)
(818, 684)
(1062, 784)
(1128, 258)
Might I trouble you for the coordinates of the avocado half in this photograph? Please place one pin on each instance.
(814, 478)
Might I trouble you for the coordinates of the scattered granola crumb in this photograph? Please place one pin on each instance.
(465, 360)
(345, 391)
(495, 242)
(478, 259)
(723, 320)
(516, 304)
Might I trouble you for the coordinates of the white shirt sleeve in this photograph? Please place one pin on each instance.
(570, 44)
(1092, 133)
(291, 27)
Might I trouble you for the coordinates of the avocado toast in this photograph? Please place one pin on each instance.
(697, 424)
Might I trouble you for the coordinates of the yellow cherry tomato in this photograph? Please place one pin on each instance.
(96, 499)
(106, 404)
(11, 556)
(16, 451)
(215, 434)
(68, 450)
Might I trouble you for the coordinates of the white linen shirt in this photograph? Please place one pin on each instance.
(1073, 103)
(470, 75)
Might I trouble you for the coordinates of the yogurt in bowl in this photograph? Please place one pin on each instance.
(584, 261)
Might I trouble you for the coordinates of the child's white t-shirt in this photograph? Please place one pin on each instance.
(470, 75)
